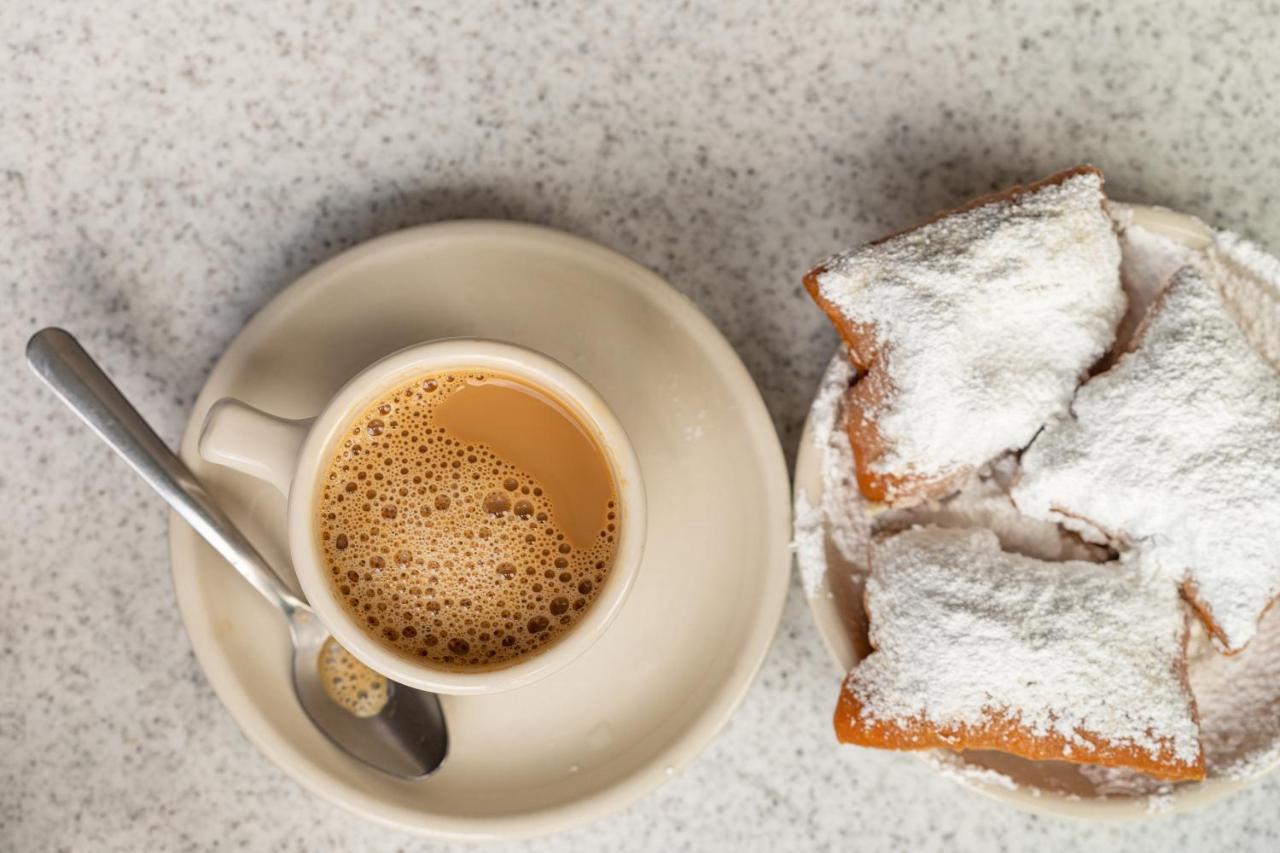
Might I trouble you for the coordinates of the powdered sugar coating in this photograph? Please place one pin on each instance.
(964, 630)
(1176, 450)
(986, 319)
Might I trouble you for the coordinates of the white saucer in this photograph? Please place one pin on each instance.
(645, 700)
(834, 590)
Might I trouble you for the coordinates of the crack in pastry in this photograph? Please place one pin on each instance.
(970, 331)
(978, 648)
(1176, 451)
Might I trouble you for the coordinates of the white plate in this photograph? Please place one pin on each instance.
(661, 683)
(1059, 788)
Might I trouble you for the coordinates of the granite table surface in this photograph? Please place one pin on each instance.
(166, 168)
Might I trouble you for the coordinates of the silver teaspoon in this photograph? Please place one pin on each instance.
(397, 729)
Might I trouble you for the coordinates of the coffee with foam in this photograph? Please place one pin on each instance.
(467, 519)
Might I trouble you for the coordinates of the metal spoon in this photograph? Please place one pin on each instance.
(407, 737)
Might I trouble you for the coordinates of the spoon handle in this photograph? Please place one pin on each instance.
(62, 363)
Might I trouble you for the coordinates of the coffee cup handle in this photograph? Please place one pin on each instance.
(253, 442)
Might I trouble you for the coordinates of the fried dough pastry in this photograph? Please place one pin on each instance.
(1176, 451)
(970, 331)
(977, 648)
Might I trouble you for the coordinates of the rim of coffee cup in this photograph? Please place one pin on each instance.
(466, 353)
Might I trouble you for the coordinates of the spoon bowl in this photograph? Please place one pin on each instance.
(406, 736)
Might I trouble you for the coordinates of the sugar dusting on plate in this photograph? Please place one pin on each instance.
(1147, 262)
(1239, 701)
(953, 766)
(1249, 280)
(840, 517)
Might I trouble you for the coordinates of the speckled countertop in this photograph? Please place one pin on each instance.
(166, 168)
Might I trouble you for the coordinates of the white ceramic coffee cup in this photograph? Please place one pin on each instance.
(292, 455)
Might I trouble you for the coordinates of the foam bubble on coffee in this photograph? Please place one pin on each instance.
(445, 549)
